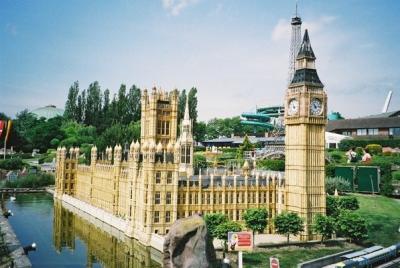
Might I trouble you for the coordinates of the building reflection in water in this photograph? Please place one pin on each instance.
(105, 245)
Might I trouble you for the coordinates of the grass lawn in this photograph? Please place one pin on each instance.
(291, 256)
(383, 217)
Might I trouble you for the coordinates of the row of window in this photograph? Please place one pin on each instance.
(229, 198)
(158, 177)
(394, 131)
(157, 198)
(163, 127)
(156, 218)
(228, 213)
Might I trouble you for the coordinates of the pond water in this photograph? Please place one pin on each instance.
(66, 239)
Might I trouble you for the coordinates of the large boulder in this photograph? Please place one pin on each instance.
(188, 244)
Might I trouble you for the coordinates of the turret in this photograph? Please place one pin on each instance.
(117, 154)
(93, 155)
(186, 143)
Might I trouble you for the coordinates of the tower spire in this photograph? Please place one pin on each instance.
(186, 116)
(295, 43)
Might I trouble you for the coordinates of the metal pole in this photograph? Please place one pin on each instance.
(5, 148)
(240, 259)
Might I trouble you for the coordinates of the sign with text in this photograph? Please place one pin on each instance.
(240, 241)
(273, 262)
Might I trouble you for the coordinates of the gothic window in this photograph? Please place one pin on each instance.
(167, 216)
(226, 198)
(168, 198)
(237, 215)
(184, 198)
(283, 198)
(158, 177)
(238, 198)
(169, 177)
(195, 198)
(156, 216)
(190, 198)
(214, 198)
(157, 198)
(270, 197)
(208, 198)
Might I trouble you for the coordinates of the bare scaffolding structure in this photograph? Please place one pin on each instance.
(295, 43)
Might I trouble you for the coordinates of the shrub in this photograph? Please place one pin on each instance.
(348, 202)
(374, 148)
(272, 164)
(11, 164)
(199, 149)
(387, 153)
(330, 170)
(396, 175)
(199, 162)
(336, 204)
(331, 206)
(31, 181)
(229, 150)
(386, 185)
(346, 144)
(351, 225)
(332, 183)
(337, 156)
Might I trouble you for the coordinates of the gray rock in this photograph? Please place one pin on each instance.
(188, 244)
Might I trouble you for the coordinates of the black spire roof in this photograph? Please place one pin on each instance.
(306, 75)
(306, 49)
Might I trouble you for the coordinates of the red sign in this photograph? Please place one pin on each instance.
(273, 262)
(240, 241)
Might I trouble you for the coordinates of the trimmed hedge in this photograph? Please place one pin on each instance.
(346, 144)
(272, 164)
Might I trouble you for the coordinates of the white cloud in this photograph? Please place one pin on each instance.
(281, 30)
(174, 7)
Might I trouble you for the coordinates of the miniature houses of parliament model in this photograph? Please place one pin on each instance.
(144, 190)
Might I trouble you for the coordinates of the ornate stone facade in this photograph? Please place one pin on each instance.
(154, 184)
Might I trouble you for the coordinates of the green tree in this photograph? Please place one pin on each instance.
(213, 220)
(200, 131)
(71, 108)
(181, 105)
(199, 162)
(288, 223)
(93, 105)
(77, 134)
(256, 219)
(81, 107)
(351, 225)
(324, 226)
(134, 104)
(222, 230)
(246, 146)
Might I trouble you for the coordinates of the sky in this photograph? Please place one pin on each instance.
(234, 52)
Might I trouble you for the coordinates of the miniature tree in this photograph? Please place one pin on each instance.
(352, 225)
(288, 223)
(223, 229)
(324, 225)
(213, 220)
(256, 219)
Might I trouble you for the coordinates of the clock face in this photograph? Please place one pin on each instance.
(316, 106)
(293, 106)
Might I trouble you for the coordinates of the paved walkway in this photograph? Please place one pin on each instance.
(263, 239)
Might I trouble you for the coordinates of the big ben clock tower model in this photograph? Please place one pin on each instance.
(305, 119)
